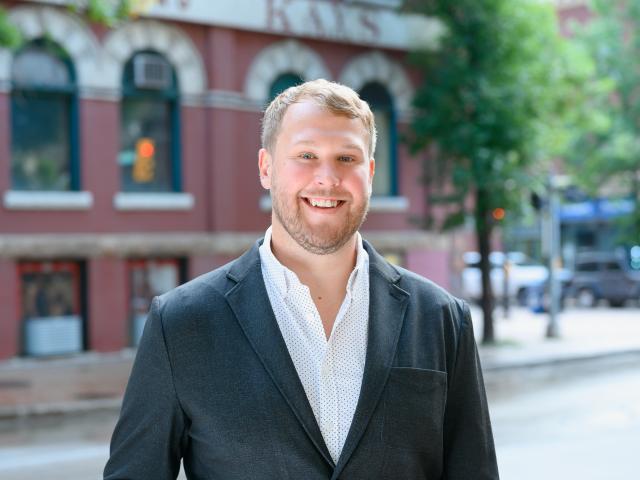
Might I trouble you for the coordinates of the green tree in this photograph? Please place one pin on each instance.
(607, 153)
(106, 12)
(491, 110)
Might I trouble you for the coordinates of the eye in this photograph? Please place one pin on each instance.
(346, 159)
(307, 156)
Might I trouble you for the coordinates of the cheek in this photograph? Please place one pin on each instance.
(291, 176)
(360, 182)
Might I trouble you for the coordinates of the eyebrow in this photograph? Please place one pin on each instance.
(311, 143)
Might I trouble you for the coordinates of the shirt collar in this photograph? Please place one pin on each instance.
(283, 278)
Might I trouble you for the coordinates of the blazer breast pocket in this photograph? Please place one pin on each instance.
(414, 402)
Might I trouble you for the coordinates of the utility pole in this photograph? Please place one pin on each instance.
(552, 233)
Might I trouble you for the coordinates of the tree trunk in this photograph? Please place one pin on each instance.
(483, 232)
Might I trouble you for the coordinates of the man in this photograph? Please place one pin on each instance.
(309, 357)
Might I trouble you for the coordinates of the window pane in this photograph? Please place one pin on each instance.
(588, 267)
(378, 98)
(283, 82)
(145, 152)
(51, 309)
(612, 266)
(48, 294)
(34, 65)
(40, 141)
(382, 180)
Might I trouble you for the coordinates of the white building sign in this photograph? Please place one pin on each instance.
(359, 22)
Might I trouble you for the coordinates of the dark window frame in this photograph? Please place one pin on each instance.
(378, 96)
(170, 95)
(77, 269)
(70, 91)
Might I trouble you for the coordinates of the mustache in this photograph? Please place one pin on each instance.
(327, 193)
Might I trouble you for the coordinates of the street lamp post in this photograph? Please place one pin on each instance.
(555, 184)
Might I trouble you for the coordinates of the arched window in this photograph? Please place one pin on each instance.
(44, 139)
(282, 82)
(149, 155)
(378, 98)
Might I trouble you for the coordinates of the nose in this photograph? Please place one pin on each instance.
(326, 175)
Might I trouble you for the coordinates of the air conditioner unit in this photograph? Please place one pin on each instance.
(151, 71)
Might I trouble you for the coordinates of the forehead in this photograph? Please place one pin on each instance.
(306, 120)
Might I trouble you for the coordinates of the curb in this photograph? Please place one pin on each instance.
(561, 361)
(499, 378)
(526, 376)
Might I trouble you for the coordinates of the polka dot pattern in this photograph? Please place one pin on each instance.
(330, 370)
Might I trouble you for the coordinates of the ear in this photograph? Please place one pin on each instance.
(264, 166)
(372, 170)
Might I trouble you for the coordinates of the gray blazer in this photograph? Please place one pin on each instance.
(213, 385)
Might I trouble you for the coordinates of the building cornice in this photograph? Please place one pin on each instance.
(174, 244)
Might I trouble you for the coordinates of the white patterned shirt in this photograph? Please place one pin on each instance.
(330, 370)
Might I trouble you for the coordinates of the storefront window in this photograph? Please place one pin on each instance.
(43, 105)
(149, 278)
(378, 98)
(149, 135)
(51, 308)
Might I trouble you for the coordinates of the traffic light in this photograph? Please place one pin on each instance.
(144, 165)
(537, 202)
(498, 214)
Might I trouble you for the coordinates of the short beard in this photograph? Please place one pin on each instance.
(294, 226)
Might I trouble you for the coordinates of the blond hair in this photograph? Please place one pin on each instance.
(336, 98)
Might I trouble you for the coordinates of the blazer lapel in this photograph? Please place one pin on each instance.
(387, 307)
(250, 303)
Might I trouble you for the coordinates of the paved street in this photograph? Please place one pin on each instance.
(587, 429)
(581, 422)
(58, 448)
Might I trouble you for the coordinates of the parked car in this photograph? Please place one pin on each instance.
(523, 274)
(604, 275)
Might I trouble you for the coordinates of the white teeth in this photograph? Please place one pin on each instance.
(323, 203)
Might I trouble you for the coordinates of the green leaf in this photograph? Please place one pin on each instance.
(9, 35)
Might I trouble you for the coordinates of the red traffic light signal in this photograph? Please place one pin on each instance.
(144, 165)
(498, 214)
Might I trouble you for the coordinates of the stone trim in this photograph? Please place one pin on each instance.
(377, 67)
(172, 244)
(232, 100)
(144, 244)
(389, 204)
(39, 200)
(122, 43)
(66, 29)
(278, 58)
(125, 201)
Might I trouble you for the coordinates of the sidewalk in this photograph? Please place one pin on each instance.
(522, 356)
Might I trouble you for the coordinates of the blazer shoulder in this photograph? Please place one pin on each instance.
(417, 284)
(204, 291)
(431, 296)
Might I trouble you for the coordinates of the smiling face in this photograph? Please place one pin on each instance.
(319, 173)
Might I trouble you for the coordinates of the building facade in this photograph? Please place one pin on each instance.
(128, 156)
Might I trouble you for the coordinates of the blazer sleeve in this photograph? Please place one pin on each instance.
(468, 439)
(150, 435)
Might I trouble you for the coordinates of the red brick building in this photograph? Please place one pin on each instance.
(128, 156)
